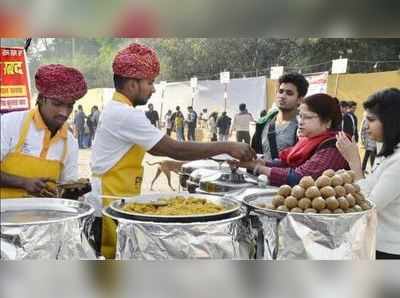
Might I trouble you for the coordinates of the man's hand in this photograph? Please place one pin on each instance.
(246, 164)
(242, 151)
(39, 187)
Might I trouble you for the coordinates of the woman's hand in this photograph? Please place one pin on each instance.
(349, 150)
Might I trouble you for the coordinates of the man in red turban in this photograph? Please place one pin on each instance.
(125, 134)
(36, 146)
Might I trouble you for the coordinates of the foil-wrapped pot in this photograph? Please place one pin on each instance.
(188, 237)
(45, 228)
(288, 236)
(223, 239)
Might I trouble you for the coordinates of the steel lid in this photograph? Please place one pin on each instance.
(189, 167)
(225, 181)
(199, 174)
(33, 211)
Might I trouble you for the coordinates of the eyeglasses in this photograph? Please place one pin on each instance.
(305, 117)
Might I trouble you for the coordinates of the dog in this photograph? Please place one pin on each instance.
(166, 167)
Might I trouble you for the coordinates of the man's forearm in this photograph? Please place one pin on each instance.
(188, 150)
(7, 180)
(196, 150)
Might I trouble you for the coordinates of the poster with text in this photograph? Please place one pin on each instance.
(318, 83)
(14, 80)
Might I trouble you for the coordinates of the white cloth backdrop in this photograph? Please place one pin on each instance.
(210, 95)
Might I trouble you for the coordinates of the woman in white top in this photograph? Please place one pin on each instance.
(382, 185)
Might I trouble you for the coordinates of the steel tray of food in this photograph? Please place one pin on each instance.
(175, 207)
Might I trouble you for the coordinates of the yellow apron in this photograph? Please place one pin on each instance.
(27, 166)
(123, 179)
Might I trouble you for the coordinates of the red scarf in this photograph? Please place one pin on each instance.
(304, 149)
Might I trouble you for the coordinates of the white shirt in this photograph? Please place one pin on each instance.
(120, 127)
(241, 121)
(11, 125)
(168, 122)
(383, 188)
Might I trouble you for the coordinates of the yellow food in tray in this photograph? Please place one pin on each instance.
(175, 206)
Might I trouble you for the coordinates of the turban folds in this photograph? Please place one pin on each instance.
(137, 62)
(60, 82)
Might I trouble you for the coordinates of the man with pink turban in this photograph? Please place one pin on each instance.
(36, 146)
(124, 134)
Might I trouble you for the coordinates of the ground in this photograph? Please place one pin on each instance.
(160, 185)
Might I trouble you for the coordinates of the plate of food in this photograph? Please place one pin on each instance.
(175, 207)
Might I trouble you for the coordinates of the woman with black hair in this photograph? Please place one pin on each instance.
(382, 185)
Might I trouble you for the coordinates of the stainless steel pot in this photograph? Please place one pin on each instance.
(231, 207)
(226, 181)
(285, 235)
(46, 228)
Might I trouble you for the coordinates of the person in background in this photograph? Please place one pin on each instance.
(263, 113)
(241, 124)
(352, 112)
(168, 122)
(212, 126)
(349, 120)
(382, 185)
(36, 146)
(177, 109)
(152, 115)
(369, 145)
(204, 118)
(344, 107)
(72, 126)
(191, 122)
(87, 137)
(278, 129)
(179, 124)
(319, 121)
(223, 126)
(94, 121)
(79, 122)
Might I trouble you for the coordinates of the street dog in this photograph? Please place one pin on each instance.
(166, 167)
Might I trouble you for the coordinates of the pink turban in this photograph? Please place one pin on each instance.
(137, 62)
(60, 82)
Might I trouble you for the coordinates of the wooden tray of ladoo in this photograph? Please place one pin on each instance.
(227, 208)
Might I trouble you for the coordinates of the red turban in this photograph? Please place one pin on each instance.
(60, 82)
(137, 62)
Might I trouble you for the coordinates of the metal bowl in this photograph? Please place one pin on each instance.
(224, 182)
(191, 166)
(34, 211)
(251, 202)
(194, 179)
(232, 207)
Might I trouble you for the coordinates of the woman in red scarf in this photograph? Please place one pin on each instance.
(319, 120)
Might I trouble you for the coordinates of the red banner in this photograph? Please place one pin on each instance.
(14, 80)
